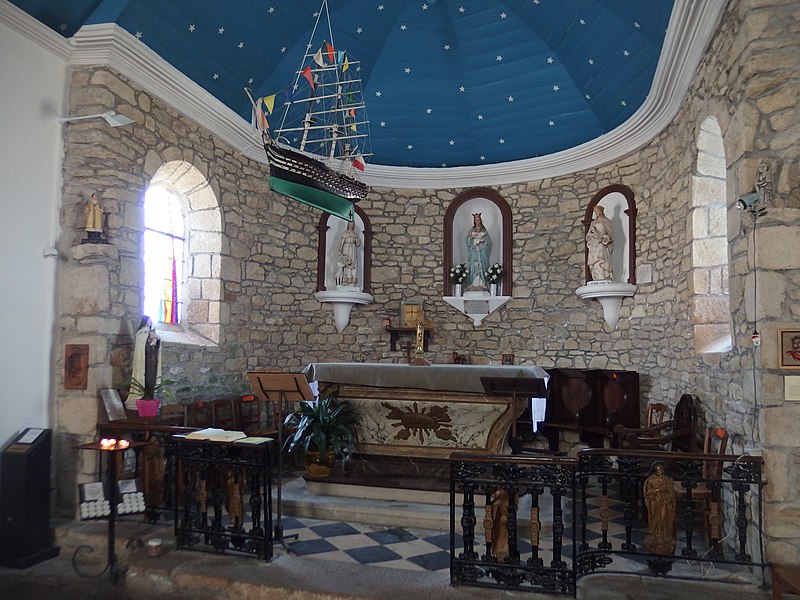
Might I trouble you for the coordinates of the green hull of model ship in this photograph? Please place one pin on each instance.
(324, 201)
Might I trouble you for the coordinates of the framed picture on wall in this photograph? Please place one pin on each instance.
(411, 313)
(789, 348)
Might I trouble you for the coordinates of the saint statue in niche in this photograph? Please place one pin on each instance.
(479, 249)
(600, 243)
(94, 221)
(347, 257)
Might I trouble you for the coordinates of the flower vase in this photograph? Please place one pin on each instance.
(457, 289)
(493, 289)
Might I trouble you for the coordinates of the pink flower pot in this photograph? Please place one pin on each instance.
(148, 408)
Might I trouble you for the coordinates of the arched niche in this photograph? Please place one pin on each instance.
(496, 216)
(620, 208)
(329, 229)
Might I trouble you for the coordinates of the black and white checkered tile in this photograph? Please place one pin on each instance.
(396, 547)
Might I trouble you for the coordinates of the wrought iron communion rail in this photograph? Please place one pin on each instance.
(538, 524)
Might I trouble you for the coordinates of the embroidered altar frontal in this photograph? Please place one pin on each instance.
(398, 419)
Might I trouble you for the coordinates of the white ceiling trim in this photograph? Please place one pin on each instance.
(24, 24)
(692, 24)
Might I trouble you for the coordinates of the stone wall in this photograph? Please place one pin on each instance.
(269, 316)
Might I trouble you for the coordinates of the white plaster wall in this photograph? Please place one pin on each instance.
(33, 90)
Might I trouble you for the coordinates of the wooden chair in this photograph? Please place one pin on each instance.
(179, 410)
(676, 434)
(256, 417)
(657, 413)
(199, 414)
(706, 497)
(225, 414)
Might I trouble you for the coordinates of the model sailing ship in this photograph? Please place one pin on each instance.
(323, 137)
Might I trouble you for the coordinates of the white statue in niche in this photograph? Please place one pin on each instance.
(347, 257)
(600, 243)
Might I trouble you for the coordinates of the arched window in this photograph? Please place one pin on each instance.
(711, 314)
(182, 255)
(164, 244)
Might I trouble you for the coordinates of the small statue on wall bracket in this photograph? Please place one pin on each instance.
(95, 217)
(764, 185)
(600, 244)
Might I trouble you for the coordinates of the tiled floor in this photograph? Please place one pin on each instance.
(395, 547)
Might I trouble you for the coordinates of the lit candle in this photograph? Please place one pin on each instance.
(106, 443)
(123, 444)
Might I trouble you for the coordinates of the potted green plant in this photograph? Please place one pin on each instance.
(325, 430)
(149, 402)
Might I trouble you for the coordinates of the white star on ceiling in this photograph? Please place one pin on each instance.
(480, 117)
(636, 24)
(380, 7)
(138, 35)
(192, 28)
(549, 60)
(502, 141)
(424, 7)
(444, 165)
(360, 30)
(403, 27)
(588, 97)
(447, 46)
(503, 15)
(623, 103)
(499, 57)
(556, 88)
(378, 93)
(483, 157)
(626, 53)
(551, 123)
(462, 89)
(407, 70)
(452, 142)
(410, 146)
(591, 61)
(383, 123)
(582, 22)
(283, 50)
(63, 26)
(250, 81)
(461, 9)
(216, 76)
(511, 98)
(221, 30)
(536, 1)
(429, 110)
(241, 45)
(271, 9)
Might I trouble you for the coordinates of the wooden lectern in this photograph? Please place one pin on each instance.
(282, 390)
(524, 387)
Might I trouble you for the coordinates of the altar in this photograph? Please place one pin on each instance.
(425, 411)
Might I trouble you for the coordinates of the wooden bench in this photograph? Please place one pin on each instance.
(785, 577)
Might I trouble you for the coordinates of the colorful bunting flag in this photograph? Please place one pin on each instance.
(318, 58)
(269, 102)
(358, 162)
(345, 64)
(307, 74)
(330, 52)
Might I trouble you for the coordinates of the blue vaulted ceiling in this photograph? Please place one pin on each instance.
(446, 82)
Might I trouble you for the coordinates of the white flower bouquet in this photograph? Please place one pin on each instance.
(495, 273)
(458, 274)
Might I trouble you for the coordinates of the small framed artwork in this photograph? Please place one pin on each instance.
(508, 359)
(113, 403)
(789, 348)
(76, 366)
(411, 314)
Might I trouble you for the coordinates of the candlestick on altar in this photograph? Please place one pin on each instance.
(419, 359)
